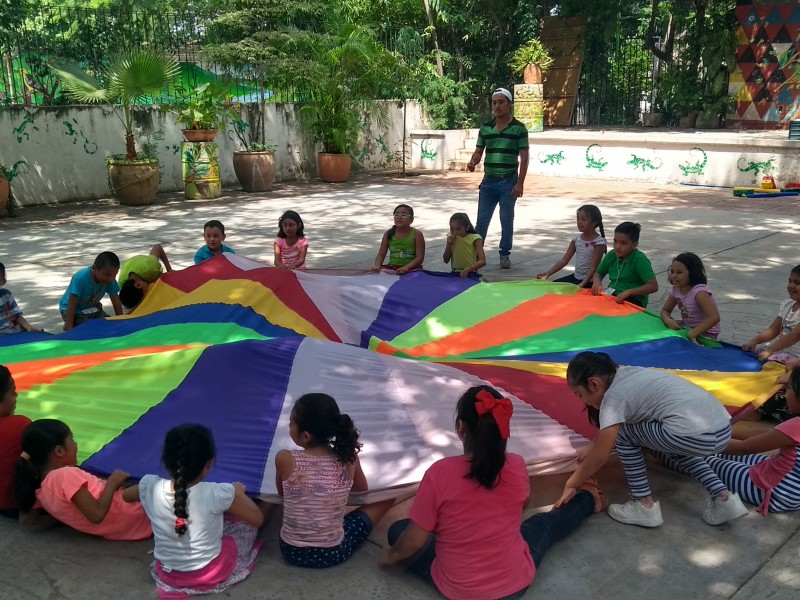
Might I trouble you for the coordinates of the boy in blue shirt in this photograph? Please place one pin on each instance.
(81, 301)
(214, 235)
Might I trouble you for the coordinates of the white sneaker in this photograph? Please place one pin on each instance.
(634, 512)
(719, 511)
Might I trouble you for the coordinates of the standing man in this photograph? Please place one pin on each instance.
(506, 142)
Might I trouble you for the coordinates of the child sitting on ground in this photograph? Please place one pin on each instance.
(81, 301)
(205, 532)
(290, 245)
(138, 272)
(587, 246)
(631, 276)
(315, 483)
(48, 479)
(214, 235)
(405, 245)
(694, 300)
(780, 342)
(464, 247)
(11, 428)
(11, 319)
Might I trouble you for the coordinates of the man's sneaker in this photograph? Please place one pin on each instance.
(719, 511)
(505, 261)
(634, 512)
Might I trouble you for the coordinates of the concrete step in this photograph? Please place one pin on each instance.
(461, 165)
(464, 153)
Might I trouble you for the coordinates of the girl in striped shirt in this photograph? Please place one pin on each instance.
(315, 483)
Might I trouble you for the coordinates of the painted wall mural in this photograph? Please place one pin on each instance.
(766, 83)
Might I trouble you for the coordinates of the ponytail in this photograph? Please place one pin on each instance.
(187, 451)
(319, 416)
(483, 439)
(39, 439)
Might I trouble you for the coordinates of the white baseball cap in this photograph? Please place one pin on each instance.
(503, 92)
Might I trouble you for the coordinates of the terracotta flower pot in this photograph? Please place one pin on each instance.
(532, 74)
(652, 119)
(5, 191)
(134, 184)
(199, 135)
(254, 170)
(333, 168)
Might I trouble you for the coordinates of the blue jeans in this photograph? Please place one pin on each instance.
(539, 531)
(491, 193)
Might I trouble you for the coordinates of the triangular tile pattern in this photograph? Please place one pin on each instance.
(768, 34)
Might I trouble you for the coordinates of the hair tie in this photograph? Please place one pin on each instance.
(501, 410)
(180, 522)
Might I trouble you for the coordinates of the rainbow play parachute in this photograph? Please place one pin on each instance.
(231, 344)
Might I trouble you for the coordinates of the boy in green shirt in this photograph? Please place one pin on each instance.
(629, 271)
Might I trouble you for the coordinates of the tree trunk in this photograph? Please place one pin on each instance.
(664, 54)
(130, 148)
(437, 51)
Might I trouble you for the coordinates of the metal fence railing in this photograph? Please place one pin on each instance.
(91, 36)
(617, 83)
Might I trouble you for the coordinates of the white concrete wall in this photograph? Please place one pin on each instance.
(719, 157)
(65, 147)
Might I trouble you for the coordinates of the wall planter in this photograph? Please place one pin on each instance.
(254, 170)
(532, 74)
(133, 183)
(200, 135)
(333, 168)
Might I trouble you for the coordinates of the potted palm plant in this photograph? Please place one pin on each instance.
(530, 60)
(255, 165)
(130, 78)
(346, 72)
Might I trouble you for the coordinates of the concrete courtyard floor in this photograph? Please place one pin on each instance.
(748, 246)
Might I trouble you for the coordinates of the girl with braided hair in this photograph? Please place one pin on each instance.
(205, 533)
(315, 483)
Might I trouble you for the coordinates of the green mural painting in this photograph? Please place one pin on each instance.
(644, 163)
(427, 154)
(19, 167)
(594, 160)
(77, 134)
(757, 167)
(21, 132)
(552, 159)
(698, 166)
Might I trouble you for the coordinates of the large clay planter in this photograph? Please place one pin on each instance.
(5, 191)
(254, 170)
(134, 184)
(532, 74)
(199, 135)
(333, 168)
(652, 119)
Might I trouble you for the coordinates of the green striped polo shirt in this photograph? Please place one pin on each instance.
(502, 148)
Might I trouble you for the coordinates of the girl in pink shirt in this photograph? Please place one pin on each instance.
(463, 531)
(315, 483)
(770, 482)
(291, 244)
(690, 293)
(47, 478)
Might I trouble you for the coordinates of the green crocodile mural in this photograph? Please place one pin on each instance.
(756, 167)
(644, 163)
(553, 159)
(697, 168)
(594, 160)
(20, 131)
(429, 154)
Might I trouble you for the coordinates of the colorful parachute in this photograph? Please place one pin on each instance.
(232, 343)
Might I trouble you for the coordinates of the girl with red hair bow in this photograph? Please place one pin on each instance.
(463, 531)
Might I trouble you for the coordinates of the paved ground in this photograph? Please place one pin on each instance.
(748, 246)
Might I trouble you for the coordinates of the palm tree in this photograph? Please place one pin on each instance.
(130, 78)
